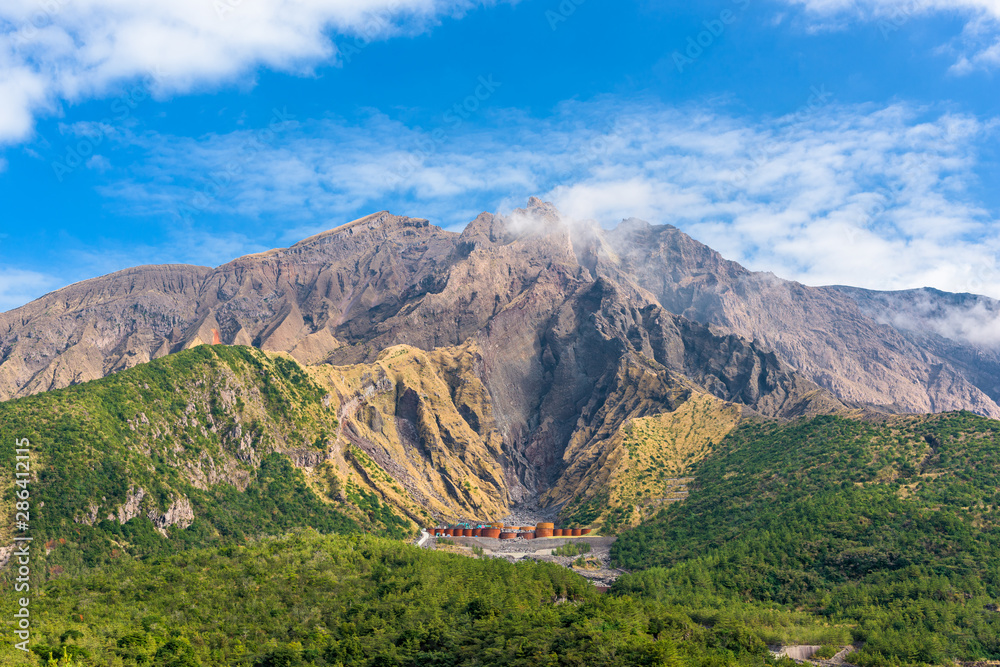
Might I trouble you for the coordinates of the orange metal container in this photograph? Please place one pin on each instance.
(477, 532)
(577, 532)
(507, 536)
(557, 532)
(585, 531)
(543, 532)
(491, 532)
(527, 536)
(549, 526)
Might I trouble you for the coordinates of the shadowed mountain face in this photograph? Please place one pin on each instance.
(572, 332)
(962, 329)
(877, 348)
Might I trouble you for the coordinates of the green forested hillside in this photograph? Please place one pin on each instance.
(891, 527)
(185, 444)
(157, 493)
(361, 601)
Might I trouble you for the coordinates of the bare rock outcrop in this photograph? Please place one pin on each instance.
(836, 337)
(346, 294)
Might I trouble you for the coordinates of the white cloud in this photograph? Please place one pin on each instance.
(69, 50)
(978, 47)
(975, 321)
(18, 287)
(99, 163)
(880, 198)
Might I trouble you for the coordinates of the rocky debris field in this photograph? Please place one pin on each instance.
(530, 513)
(542, 550)
(804, 654)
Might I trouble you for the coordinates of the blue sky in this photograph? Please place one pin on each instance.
(824, 140)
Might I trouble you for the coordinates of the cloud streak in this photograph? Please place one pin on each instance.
(978, 47)
(873, 197)
(71, 50)
(18, 287)
(976, 322)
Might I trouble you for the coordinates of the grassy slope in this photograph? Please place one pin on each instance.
(445, 465)
(647, 464)
(890, 526)
(818, 531)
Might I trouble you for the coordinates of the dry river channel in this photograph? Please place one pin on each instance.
(597, 566)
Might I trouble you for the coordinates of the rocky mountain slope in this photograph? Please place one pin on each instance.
(514, 361)
(962, 329)
(839, 338)
(346, 294)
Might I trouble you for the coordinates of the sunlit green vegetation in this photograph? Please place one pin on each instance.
(572, 549)
(359, 601)
(825, 531)
(887, 527)
(199, 428)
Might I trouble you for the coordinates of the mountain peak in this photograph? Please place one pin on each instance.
(373, 221)
(534, 203)
(543, 213)
(385, 279)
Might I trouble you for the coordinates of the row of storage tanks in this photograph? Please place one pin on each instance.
(500, 531)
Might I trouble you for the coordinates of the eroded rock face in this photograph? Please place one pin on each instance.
(344, 295)
(532, 342)
(836, 337)
(179, 513)
(601, 360)
(298, 300)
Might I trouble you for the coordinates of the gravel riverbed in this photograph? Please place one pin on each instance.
(541, 549)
